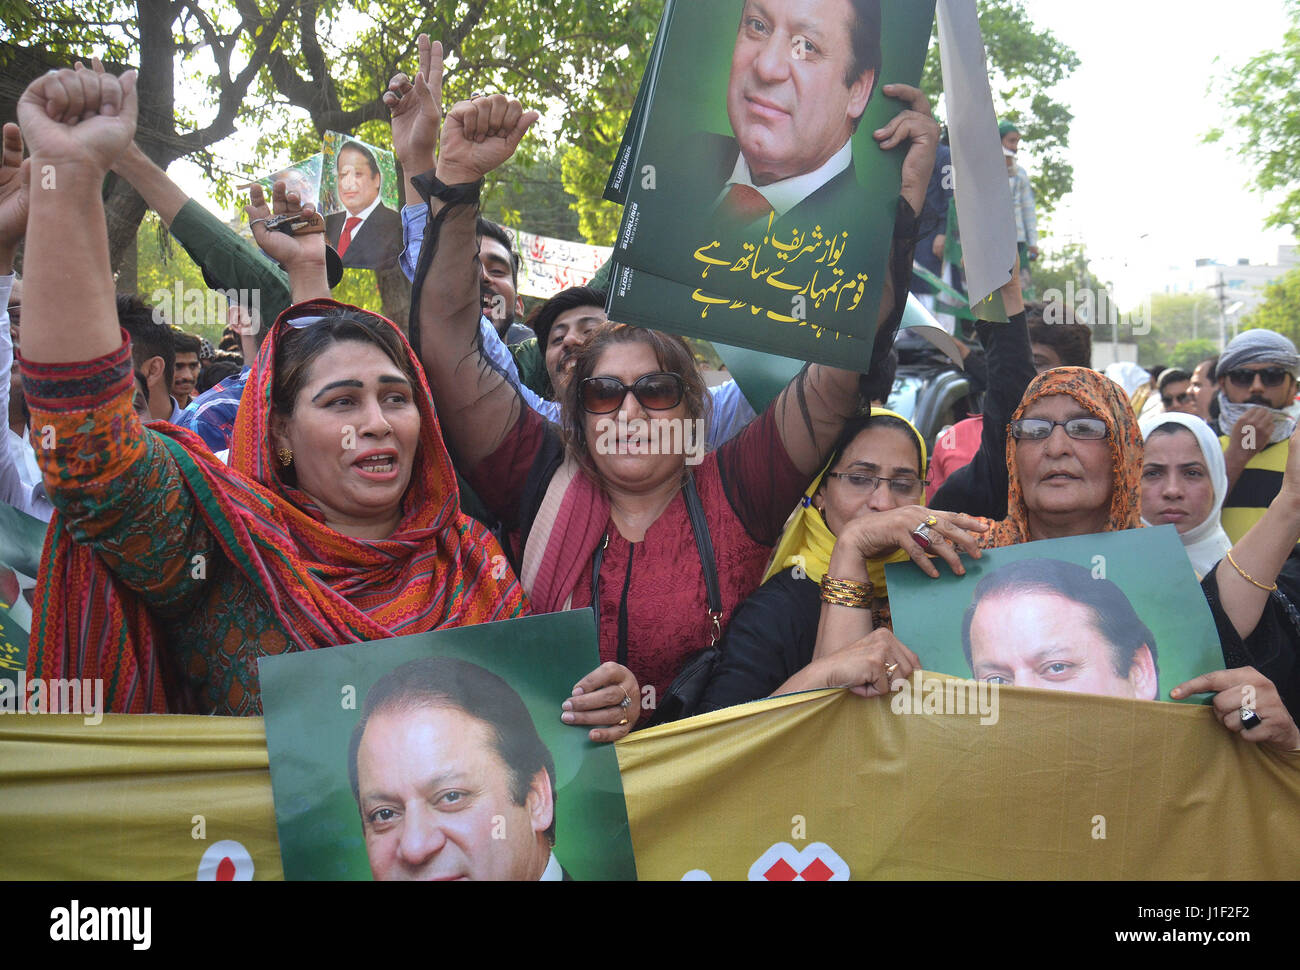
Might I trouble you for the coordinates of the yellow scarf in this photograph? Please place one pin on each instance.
(807, 542)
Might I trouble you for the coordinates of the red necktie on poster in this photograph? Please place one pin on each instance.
(345, 239)
(744, 204)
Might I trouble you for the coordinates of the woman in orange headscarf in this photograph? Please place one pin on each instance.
(1074, 454)
(1075, 458)
(166, 573)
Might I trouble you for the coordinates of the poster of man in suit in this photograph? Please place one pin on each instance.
(359, 199)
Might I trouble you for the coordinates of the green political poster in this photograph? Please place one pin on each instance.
(757, 178)
(303, 177)
(442, 755)
(616, 185)
(641, 298)
(1117, 613)
(22, 538)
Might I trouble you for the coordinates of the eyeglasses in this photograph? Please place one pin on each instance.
(655, 392)
(1184, 398)
(1037, 429)
(1270, 376)
(904, 487)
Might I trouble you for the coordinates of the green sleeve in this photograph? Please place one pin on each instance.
(229, 261)
(532, 368)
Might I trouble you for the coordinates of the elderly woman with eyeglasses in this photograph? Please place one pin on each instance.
(825, 586)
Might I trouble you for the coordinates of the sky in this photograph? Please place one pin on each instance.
(1150, 197)
(1142, 107)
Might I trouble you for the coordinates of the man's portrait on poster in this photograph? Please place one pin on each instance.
(1053, 624)
(802, 74)
(451, 779)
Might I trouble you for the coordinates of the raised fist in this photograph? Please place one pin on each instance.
(480, 135)
(78, 117)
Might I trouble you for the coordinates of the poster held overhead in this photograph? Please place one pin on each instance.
(767, 191)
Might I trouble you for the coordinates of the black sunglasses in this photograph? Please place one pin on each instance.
(1184, 398)
(655, 392)
(1270, 376)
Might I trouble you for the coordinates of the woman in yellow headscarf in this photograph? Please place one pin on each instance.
(864, 510)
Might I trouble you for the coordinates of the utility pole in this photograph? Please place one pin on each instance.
(1221, 287)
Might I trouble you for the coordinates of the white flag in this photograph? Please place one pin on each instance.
(984, 213)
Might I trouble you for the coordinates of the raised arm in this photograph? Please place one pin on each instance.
(1262, 551)
(416, 109)
(477, 406)
(812, 411)
(76, 124)
(159, 192)
(113, 480)
(303, 255)
(14, 179)
(980, 488)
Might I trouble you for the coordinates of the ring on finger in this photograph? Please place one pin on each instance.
(924, 538)
(889, 670)
(1249, 719)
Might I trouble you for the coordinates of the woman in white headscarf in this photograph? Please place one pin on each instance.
(1184, 483)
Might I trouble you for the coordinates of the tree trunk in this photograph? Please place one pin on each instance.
(128, 276)
(124, 209)
(395, 296)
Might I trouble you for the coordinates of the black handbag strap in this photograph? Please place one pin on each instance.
(703, 544)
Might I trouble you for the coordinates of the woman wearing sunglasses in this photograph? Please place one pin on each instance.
(610, 514)
(167, 574)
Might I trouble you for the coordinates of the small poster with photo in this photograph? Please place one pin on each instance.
(303, 177)
(762, 183)
(22, 539)
(1117, 613)
(442, 755)
(361, 199)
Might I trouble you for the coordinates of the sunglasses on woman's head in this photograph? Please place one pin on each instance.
(655, 392)
(1270, 376)
(1038, 429)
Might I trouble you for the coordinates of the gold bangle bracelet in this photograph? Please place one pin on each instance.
(1247, 577)
(844, 592)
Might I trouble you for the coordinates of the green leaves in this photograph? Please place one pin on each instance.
(1025, 63)
(1264, 113)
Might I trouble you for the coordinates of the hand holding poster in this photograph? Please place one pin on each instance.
(303, 177)
(443, 756)
(757, 182)
(1118, 613)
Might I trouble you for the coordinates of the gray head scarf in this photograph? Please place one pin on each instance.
(1256, 347)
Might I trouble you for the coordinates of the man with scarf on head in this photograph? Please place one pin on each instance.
(1257, 388)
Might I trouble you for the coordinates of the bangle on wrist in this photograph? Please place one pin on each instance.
(1247, 577)
(844, 592)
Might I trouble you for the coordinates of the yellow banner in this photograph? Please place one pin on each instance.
(823, 785)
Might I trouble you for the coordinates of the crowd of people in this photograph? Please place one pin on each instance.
(328, 477)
